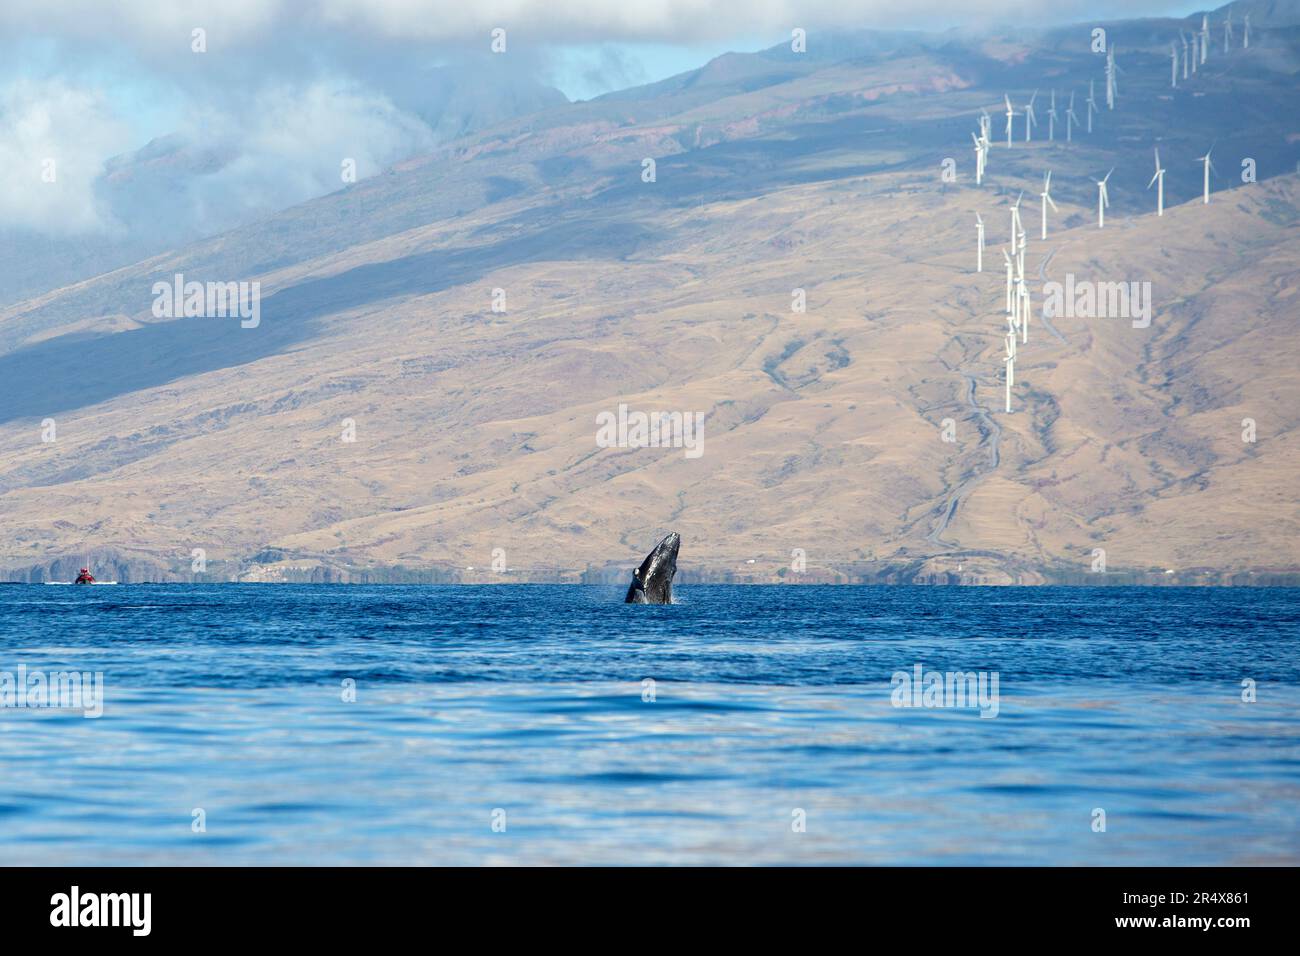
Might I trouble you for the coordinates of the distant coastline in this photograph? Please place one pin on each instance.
(955, 570)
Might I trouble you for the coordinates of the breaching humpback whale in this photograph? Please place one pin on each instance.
(652, 583)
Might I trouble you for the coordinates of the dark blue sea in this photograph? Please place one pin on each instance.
(279, 724)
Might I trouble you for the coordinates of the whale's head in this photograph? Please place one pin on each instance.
(652, 583)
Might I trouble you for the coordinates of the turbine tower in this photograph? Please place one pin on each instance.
(1022, 299)
(1103, 200)
(1071, 120)
(1112, 81)
(979, 243)
(1008, 258)
(1158, 180)
(1205, 36)
(1051, 120)
(1173, 58)
(1020, 253)
(1245, 33)
(1196, 45)
(1011, 375)
(1183, 36)
(1015, 220)
(1209, 164)
(979, 159)
(1030, 119)
(1227, 31)
(1046, 196)
(1011, 115)
(1092, 105)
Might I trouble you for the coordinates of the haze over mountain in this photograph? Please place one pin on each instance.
(476, 430)
(223, 172)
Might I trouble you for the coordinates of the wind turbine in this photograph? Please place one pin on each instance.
(1019, 318)
(1205, 36)
(1092, 105)
(1158, 180)
(985, 125)
(1196, 45)
(979, 158)
(1183, 36)
(979, 243)
(1051, 119)
(1245, 33)
(1103, 200)
(1209, 164)
(1173, 57)
(1030, 119)
(1227, 31)
(1046, 196)
(1018, 234)
(1071, 120)
(1011, 114)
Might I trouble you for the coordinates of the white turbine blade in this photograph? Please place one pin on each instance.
(1051, 202)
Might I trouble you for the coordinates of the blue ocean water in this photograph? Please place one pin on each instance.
(519, 724)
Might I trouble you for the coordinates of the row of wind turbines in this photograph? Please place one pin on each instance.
(1157, 180)
(982, 140)
(1200, 45)
(1018, 303)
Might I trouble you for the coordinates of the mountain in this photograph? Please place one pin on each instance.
(476, 430)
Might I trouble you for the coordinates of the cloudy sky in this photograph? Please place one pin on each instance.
(286, 86)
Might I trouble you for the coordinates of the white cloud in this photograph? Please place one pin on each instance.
(288, 144)
(51, 130)
(290, 87)
(150, 26)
